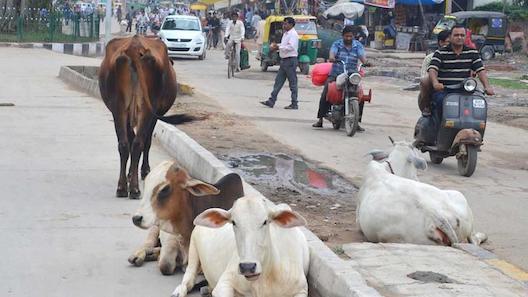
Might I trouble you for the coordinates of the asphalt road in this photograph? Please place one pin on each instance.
(497, 192)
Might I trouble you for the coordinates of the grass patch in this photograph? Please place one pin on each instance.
(44, 37)
(508, 83)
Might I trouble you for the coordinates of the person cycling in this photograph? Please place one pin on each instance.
(453, 64)
(350, 51)
(234, 34)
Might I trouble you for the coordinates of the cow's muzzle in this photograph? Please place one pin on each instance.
(248, 270)
(137, 220)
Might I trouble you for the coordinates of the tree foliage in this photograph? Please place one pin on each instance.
(516, 12)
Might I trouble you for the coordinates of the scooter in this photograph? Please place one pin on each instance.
(345, 95)
(459, 130)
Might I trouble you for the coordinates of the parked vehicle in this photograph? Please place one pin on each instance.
(488, 30)
(183, 36)
(309, 43)
(458, 130)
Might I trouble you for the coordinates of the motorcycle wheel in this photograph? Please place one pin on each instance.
(305, 68)
(336, 125)
(435, 158)
(263, 66)
(352, 120)
(468, 162)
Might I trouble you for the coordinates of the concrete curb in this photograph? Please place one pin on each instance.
(73, 76)
(86, 49)
(493, 260)
(329, 275)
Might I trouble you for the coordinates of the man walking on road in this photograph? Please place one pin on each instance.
(288, 64)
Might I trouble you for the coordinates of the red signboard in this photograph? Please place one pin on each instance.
(381, 3)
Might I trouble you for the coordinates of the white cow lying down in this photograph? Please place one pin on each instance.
(396, 209)
(252, 250)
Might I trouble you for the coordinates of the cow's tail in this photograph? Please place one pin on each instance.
(444, 232)
(444, 227)
(177, 119)
(477, 238)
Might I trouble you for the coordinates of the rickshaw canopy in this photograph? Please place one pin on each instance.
(305, 32)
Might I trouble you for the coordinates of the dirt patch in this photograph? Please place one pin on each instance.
(323, 197)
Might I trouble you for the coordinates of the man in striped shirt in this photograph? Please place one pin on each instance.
(452, 64)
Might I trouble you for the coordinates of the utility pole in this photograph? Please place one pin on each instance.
(108, 21)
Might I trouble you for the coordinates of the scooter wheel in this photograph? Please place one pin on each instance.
(435, 158)
(468, 162)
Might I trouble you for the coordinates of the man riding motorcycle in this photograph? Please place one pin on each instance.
(349, 51)
(452, 64)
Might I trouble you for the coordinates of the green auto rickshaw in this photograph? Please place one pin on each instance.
(309, 43)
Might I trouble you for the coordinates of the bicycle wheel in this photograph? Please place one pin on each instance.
(231, 63)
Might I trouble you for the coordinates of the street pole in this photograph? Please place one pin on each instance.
(108, 21)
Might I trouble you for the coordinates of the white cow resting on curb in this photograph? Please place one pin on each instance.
(252, 250)
(392, 208)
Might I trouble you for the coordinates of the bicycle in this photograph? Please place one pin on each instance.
(231, 63)
(209, 37)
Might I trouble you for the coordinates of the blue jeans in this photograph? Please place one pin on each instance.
(437, 103)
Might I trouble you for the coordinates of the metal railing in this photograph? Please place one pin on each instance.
(41, 25)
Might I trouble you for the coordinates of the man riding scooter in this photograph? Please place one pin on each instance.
(452, 64)
(349, 51)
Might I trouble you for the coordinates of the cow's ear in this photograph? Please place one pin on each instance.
(213, 218)
(199, 188)
(288, 219)
(378, 155)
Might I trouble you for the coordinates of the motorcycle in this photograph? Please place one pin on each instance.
(459, 130)
(345, 95)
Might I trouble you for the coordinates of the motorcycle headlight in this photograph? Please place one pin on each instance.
(355, 78)
(470, 85)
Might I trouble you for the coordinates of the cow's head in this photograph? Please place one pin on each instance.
(167, 198)
(404, 159)
(252, 218)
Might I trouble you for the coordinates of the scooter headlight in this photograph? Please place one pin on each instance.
(355, 78)
(470, 85)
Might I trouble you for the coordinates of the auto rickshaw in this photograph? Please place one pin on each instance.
(309, 42)
(488, 30)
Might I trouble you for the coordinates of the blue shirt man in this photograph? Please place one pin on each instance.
(349, 51)
(349, 54)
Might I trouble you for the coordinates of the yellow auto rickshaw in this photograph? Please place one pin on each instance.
(309, 43)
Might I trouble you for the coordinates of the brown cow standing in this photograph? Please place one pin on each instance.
(137, 84)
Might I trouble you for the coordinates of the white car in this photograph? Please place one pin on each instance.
(183, 36)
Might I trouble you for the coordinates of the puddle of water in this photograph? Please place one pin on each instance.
(284, 171)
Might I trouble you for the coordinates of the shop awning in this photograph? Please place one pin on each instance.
(209, 2)
(350, 10)
(198, 6)
(417, 2)
(381, 3)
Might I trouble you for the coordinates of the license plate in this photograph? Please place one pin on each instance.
(479, 103)
(179, 44)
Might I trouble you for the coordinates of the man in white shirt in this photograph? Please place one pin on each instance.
(288, 64)
(235, 32)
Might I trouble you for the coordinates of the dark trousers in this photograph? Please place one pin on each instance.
(287, 70)
(324, 105)
(129, 26)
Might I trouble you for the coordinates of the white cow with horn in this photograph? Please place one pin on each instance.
(395, 207)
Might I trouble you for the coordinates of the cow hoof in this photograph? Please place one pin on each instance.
(136, 261)
(135, 194)
(144, 173)
(121, 193)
